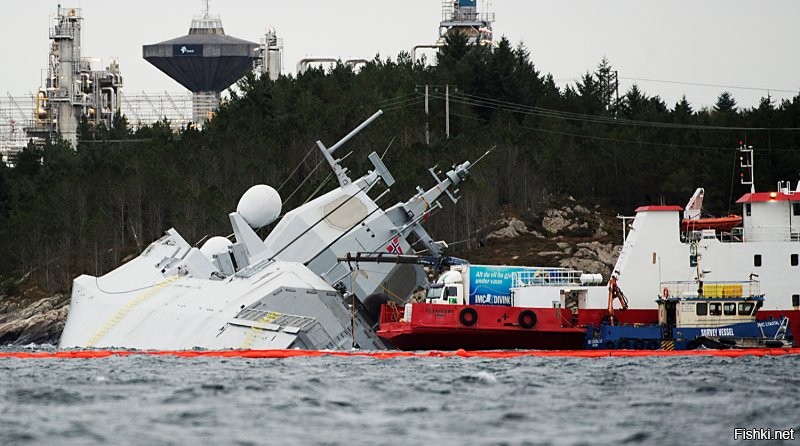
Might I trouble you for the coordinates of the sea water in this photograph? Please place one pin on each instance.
(433, 401)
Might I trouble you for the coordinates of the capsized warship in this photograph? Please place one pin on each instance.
(286, 291)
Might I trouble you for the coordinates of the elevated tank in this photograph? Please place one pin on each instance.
(205, 61)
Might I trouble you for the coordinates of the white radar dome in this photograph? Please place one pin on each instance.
(259, 206)
(215, 245)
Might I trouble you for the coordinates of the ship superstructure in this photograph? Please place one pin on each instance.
(288, 291)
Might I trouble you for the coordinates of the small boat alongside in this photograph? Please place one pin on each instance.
(693, 315)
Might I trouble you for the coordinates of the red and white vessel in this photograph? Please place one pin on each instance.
(658, 247)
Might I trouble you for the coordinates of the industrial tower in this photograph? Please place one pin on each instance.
(462, 16)
(270, 61)
(205, 61)
(73, 89)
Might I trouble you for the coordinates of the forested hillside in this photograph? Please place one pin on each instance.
(64, 212)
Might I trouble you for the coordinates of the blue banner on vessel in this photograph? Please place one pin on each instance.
(491, 285)
(187, 50)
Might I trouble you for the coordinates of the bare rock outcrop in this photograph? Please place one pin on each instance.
(556, 220)
(593, 257)
(508, 228)
(40, 322)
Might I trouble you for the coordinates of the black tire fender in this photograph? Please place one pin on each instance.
(468, 316)
(527, 319)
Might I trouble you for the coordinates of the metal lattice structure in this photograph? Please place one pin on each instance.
(147, 108)
(18, 114)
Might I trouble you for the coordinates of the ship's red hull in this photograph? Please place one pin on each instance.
(442, 327)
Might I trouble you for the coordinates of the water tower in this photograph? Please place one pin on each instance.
(205, 61)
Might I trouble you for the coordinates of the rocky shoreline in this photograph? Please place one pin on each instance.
(39, 322)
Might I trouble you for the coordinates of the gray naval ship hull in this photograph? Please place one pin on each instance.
(286, 291)
(271, 304)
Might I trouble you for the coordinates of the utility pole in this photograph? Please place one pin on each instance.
(616, 88)
(447, 110)
(427, 119)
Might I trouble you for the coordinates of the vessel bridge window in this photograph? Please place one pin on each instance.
(701, 309)
(794, 260)
(745, 308)
(795, 208)
(757, 260)
(796, 300)
(435, 292)
(730, 309)
(715, 309)
(747, 209)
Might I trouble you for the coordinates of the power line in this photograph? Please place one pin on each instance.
(701, 84)
(405, 104)
(556, 114)
(397, 99)
(600, 138)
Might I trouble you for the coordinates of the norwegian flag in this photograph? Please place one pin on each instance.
(394, 246)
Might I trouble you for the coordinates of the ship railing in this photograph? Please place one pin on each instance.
(752, 234)
(550, 277)
(713, 289)
(771, 234)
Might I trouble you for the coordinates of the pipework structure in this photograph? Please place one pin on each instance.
(74, 88)
(270, 55)
(462, 16)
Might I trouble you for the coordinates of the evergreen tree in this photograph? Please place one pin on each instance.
(606, 79)
(725, 103)
(683, 108)
(64, 212)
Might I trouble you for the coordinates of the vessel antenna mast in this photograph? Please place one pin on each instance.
(747, 163)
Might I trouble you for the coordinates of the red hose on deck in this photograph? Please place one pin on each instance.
(382, 354)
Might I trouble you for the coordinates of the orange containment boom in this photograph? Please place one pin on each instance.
(389, 354)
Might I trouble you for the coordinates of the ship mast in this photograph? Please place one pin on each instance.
(746, 161)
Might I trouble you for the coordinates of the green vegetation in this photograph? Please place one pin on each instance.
(64, 212)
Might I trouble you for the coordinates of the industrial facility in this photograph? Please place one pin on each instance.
(77, 87)
(206, 61)
(73, 89)
(462, 16)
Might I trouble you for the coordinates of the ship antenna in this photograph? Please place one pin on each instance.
(747, 163)
(484, 155)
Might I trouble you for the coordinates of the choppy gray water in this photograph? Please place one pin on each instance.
(355, 401)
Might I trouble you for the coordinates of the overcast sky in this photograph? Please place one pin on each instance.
(733, 43)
